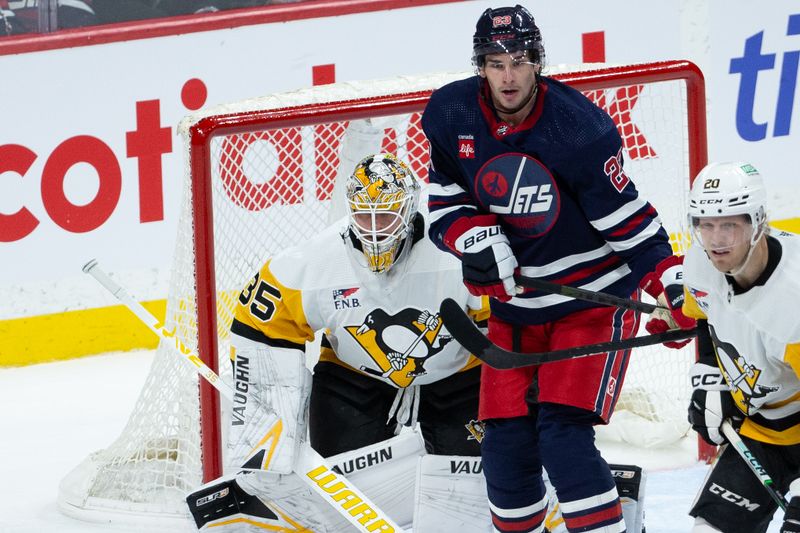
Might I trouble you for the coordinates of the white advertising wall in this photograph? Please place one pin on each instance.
(752, 77)
(91, 164)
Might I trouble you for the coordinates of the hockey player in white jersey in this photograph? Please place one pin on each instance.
(373, 283)
(742, 284)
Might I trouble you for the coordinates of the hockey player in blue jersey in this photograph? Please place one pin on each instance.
(527, 177)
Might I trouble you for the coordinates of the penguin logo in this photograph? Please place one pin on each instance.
(400, 344)
(741, 376)
(476, 430)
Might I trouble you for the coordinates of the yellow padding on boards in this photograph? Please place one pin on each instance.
(791, 225)
(44, 338)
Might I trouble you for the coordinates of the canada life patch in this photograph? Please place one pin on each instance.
(521, 190)
(466, 147)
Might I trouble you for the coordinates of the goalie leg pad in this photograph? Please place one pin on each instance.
(385, 473)
(269, 413)
(451, 495)
(630, 481)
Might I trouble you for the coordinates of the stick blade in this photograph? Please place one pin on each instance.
(464, 330)
(461, 326)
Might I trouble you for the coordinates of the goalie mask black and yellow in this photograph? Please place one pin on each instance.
(382, 195)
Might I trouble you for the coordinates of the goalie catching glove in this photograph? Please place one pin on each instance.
(711, 403)
(487, 261)
(665, 284)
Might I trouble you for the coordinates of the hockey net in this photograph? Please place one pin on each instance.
(260, 177)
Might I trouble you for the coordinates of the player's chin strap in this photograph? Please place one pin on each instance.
(405, 408)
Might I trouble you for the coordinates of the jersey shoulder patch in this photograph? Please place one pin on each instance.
(699, 278)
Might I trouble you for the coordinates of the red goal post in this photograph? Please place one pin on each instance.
(261, 174)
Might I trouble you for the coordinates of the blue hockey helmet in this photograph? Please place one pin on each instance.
(505, 30)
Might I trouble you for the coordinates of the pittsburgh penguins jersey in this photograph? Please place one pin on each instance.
(384, 325)
(756, 336)
(557, 186)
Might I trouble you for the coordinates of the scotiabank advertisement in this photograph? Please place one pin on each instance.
(755, 108)
(91, 164)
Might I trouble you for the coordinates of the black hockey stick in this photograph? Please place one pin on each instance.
(584, 294)
(748, 457)
(464, 330)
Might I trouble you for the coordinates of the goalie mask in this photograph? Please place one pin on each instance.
(506, 30)
(382, 195)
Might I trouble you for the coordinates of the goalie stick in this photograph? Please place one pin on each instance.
(525, 282)
(310, 466)
(755, 467)
(464, 330)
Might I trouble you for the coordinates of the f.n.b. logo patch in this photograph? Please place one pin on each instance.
(344, 299)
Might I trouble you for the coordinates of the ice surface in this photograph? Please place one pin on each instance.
(53, 415)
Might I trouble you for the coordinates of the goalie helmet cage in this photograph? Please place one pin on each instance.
(261, 174)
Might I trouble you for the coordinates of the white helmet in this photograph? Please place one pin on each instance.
(727, 189)
(382, 195)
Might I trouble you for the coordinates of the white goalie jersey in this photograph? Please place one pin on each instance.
(756, 335)
(385, 325)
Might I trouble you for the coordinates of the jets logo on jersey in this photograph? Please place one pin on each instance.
(741, 376)
(521, 190)
(343, 298)
(495, 184)
(400, 344)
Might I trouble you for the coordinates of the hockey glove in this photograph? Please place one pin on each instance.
(487, 261)
(665, 284)
(711, 403)
(791, 518)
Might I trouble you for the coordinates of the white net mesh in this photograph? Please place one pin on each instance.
(271, 181)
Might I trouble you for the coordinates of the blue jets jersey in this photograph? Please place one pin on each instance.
(557, 186)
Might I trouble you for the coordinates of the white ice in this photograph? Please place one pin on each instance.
(53, 415)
